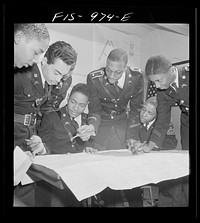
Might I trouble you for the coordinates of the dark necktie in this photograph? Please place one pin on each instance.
(75, 123)
(145, 126)
(117, 88)
(47, 89)
(175, 86)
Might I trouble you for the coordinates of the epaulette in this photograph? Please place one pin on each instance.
(96, 74)
(186, 68)
(136, 69)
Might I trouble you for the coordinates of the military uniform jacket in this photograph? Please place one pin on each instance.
(28, 95)
(28, 90)
(166, 99)
(55, 136)
(56, 96)
(106, 103)
(170, 141)
(28, 84)
(57, 93)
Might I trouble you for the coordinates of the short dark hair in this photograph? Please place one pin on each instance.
(157, 64)
(82, 88)
(118, 55)
(152, 100)
(61, 50)
(36, 31)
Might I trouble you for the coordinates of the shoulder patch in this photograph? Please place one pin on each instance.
(186, 68)
(136, 69)
(96, 74)
(171, 130)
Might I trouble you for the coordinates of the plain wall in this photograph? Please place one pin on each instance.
(174, 46)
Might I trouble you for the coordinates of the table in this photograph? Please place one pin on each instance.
(88, 174)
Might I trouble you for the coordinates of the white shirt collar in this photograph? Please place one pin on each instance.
(150, 123)
(176, 79)
(121, 80)
(42, 76)
(78, 120)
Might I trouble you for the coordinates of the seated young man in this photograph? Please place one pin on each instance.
(66, 130)
(57, 130)
(148, 116)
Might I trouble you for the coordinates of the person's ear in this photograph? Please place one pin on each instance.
(18, 36)
(172, 70)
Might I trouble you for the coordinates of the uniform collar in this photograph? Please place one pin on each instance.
(42, 76)
(65, 114)
(78, 120)
(149, 124)
(176, 79)
(121, 80)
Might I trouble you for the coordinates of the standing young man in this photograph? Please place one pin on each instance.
(172, 85)
(31, 90)
(117, 95)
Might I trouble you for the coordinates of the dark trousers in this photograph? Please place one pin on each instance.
(111, 142)
(17, 202)
(25, 194)
(134, 197)
(38, 194)
(42, 194)
(63, 198)
(51, 196)
(174, 193)
(120, 198)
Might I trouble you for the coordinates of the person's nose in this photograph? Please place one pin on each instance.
(76, 107)
(58, 78)
(112, 74)
(144, 114)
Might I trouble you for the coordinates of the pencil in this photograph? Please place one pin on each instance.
(77, 135)
(139, 147)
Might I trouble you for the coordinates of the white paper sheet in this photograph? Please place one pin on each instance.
(26, 179)
(21, 164)
(89, 174)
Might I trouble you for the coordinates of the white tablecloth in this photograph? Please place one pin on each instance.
(88, 174)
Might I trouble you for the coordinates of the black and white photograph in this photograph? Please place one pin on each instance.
(101, 109)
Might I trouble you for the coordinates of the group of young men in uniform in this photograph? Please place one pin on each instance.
(114, 95)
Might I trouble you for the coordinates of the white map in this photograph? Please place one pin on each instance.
(88, 174)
